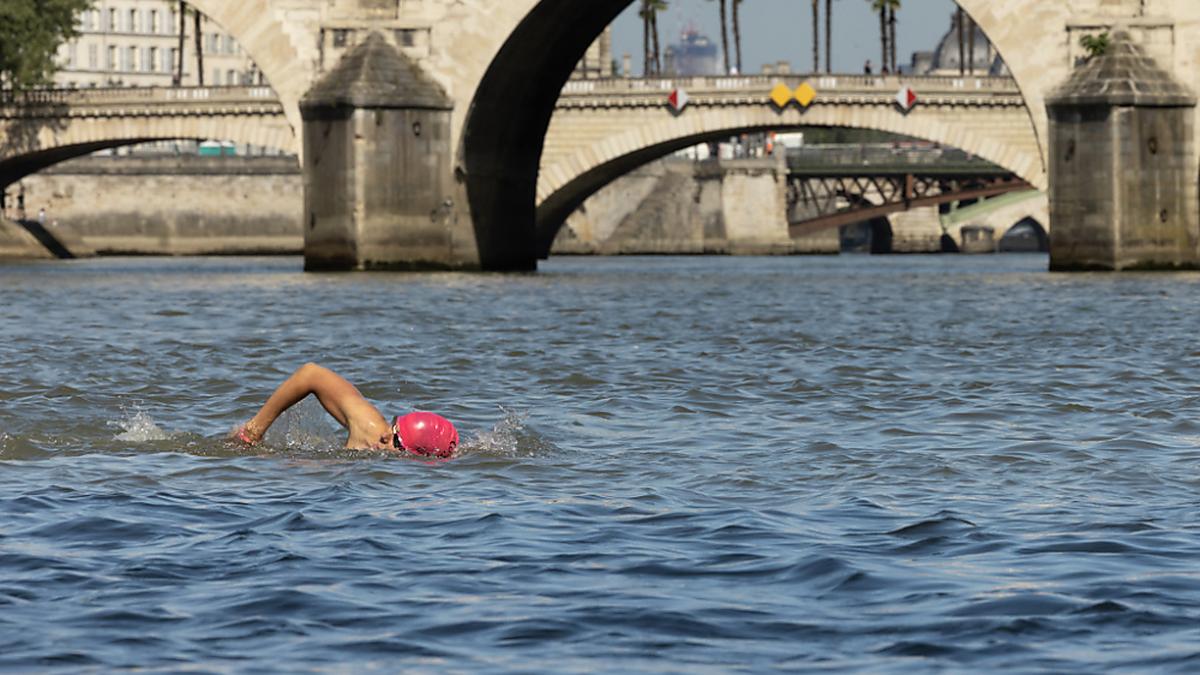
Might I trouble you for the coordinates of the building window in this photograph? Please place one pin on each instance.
(131, 21)
(151, 61)
(129, 59)
(110, 20)
(168, 60)
(406, 37)
(216, 77)
(340, 37)
(93, 57)
(231, 77)
(111, 61)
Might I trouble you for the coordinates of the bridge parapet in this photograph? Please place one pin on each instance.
(66, 101)
(743, 89)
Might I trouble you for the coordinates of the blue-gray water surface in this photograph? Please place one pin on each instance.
(900, 464)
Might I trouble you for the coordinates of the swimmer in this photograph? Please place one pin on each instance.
(419, 433)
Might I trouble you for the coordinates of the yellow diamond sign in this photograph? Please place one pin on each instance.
(781, 94)
(805, 94)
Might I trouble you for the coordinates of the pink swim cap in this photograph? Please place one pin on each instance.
(426, 433)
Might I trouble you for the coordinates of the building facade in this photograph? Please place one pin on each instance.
(978, 57)
(598, 61)
(694, 54)
(136, 43)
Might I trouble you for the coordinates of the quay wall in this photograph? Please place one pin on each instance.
(17, 243)
(682, 207)
(169, 205)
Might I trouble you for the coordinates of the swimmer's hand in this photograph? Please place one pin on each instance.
(244, 434)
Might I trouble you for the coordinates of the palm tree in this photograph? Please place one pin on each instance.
(816, 17)
(647, 55)
(656, 6)
(724, 35)
(199, 47)
(881, 7)
(650, 45)
(737, 34)
(829, 36)
(892, 6)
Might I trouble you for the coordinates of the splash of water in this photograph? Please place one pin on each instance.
(510, 437)
(138, 427)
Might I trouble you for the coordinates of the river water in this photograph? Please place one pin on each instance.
(883, 464)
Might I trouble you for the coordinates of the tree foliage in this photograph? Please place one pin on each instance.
(1096, 45)
(30, 34)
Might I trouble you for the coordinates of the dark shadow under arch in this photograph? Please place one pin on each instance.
(14, 169)
(1025, 236)
(507, 122)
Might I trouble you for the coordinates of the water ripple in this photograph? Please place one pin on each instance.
(709, 465)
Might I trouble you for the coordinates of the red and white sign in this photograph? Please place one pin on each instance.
(678, 100)
(906, 98)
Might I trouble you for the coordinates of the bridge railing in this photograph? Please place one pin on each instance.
(887, 159)
(110, 95)
(826, 83)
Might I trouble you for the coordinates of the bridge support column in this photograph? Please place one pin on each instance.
(917, 230)
(754, 205)
(1123, 190)
(378, 188)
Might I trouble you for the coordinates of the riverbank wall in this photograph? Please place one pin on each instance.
(168, 205)
(16, 243)
(683, 207)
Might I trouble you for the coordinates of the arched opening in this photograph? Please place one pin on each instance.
(884, 159)
(77, 202)
(872, 236)
(506, 126)
(15, 168)
(1026, 236)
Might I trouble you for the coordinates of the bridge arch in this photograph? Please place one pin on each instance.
(566, 181)
(505, 126)
(30, 144)
(257, 28)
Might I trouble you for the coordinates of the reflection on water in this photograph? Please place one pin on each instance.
(857, 464)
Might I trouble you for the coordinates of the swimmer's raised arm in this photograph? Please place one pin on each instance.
(337, 395)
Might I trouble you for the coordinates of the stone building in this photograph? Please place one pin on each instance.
(598, 61)
(945, 59)
(135, 43)
(694, 54)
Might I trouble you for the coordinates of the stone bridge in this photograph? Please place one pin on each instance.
(503, 63)
(602, 129)
(46, 127)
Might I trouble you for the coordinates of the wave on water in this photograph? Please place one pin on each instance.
(510, 437)
(138, 427)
